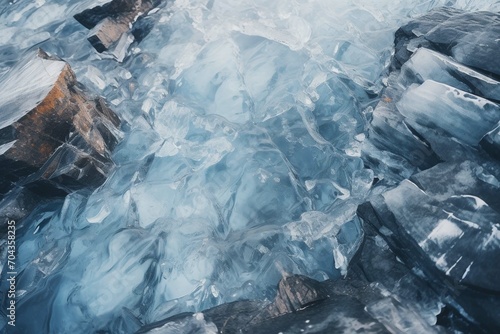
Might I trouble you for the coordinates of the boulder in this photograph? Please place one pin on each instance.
(54, 138)
(434, 139)
(438, 106)
(444, 222)
(301, 304)
(116, 24)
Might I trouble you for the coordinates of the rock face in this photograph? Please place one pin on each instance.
(469, 38)
(301, 304)
(440, 224)
(116, 24)
(440, 105)
(54, 138)
(433, 139)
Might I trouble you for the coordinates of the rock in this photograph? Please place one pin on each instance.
(491, 143)
(340, 314)
(434, 140)
(471, 39)
(436, 107)
(106, 33)
(54, 137)
(446, 224)
(231, 317)
(411, 35)
(295, 293)
(305, 305)
(114, 25)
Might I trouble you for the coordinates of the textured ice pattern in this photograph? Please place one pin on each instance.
(241, 160)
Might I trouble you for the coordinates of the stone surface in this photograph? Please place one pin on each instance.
(54, 137)
(470, 38)
(301, 305)
(114, 25)
(295, 293)
(433, 140)
(441, 225)
(436, 106)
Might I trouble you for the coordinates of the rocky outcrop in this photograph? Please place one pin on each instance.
(301, 304)
(433, 140)
(54, 138)
(116, 24)
(440, 104)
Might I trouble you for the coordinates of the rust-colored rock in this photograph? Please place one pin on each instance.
(51, 130)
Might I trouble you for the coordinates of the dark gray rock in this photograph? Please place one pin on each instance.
(470, 38)
(414, 31)
(491, 143)
(295, 293)
(444, 228)
(339, 314)
(434, 140)
(436, 107)
(303, 305)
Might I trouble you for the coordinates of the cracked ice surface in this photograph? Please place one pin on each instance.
(244, 125)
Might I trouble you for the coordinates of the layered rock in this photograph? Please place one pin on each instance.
(301, 304)
(436, 107)
(116, 24)
(437, 222)
(54, 137)
(433, 138)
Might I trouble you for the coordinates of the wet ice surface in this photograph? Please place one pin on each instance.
(241, 160)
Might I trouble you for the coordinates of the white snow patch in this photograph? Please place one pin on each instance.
(451, 215)
(441, 262)
(445, 230)
(494, 236)
(5, 147)
(467, 270)
(453, 266)
(26, 86)
(479, 203)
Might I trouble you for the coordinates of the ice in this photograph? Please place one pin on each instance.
(241, 162)
(46, 14)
